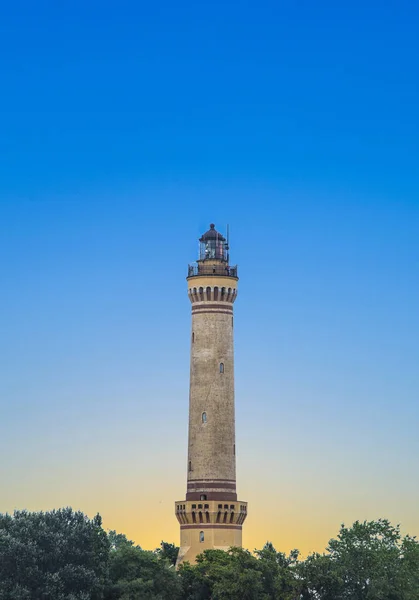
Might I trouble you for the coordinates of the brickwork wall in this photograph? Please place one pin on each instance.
(211, 448)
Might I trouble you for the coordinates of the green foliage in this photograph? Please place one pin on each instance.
(116, 540)
(369, 561)
(63, 555)
(136, 574)
(58, 555)
(279, 573)
(168, 552)
(238, 575)
(218, 575)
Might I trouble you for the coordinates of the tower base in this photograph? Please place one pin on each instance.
(213, 525)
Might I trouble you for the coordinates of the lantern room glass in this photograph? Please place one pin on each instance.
(213, 250)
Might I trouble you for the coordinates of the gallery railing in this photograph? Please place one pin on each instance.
(203, 269)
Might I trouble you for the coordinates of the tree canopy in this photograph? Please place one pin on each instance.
(368, 561)
(58, 555)
(64, 555)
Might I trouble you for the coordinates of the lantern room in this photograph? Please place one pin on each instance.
(213, 246)
(213, 256)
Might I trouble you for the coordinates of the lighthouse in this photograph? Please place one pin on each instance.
(211, 516)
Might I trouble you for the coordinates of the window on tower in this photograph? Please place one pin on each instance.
(204, 417)
(201, 536)
(221, 367)
(190, 466)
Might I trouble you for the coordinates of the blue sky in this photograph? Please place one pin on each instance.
(124, 131)
(110, 94)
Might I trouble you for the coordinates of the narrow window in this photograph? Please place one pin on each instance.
(193, 337)
(232, 321)
(201, 520)
(193, 517)
(234, 449)
(201, 536)
(225, 518)
(218, 516)
(221, 367)
(204, 417)
(232, 517)
(190, 466)
(207, 517)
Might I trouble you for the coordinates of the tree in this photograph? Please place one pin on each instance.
(280, 580)
(57, 555)
(369, 561)
(168, 552)
(219, 575)
(116, 540)
(137, 574)
(238, 575)
(409, 571)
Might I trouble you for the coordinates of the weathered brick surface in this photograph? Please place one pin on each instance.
(211, 444)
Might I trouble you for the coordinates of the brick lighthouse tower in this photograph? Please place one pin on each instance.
(211, 516)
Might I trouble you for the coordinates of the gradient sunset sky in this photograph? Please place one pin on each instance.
(125, 129)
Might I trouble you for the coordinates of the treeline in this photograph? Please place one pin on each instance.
(63, 555)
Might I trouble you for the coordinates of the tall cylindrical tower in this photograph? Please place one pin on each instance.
(211, 516)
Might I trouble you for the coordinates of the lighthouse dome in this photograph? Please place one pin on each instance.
(212, 234)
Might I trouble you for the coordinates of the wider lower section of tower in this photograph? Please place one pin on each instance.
(209, 524)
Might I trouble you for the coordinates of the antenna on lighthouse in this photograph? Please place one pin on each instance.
(228, 244)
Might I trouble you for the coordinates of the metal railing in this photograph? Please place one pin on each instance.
(202, 269)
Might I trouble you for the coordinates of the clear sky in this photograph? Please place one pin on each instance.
(125, 129)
